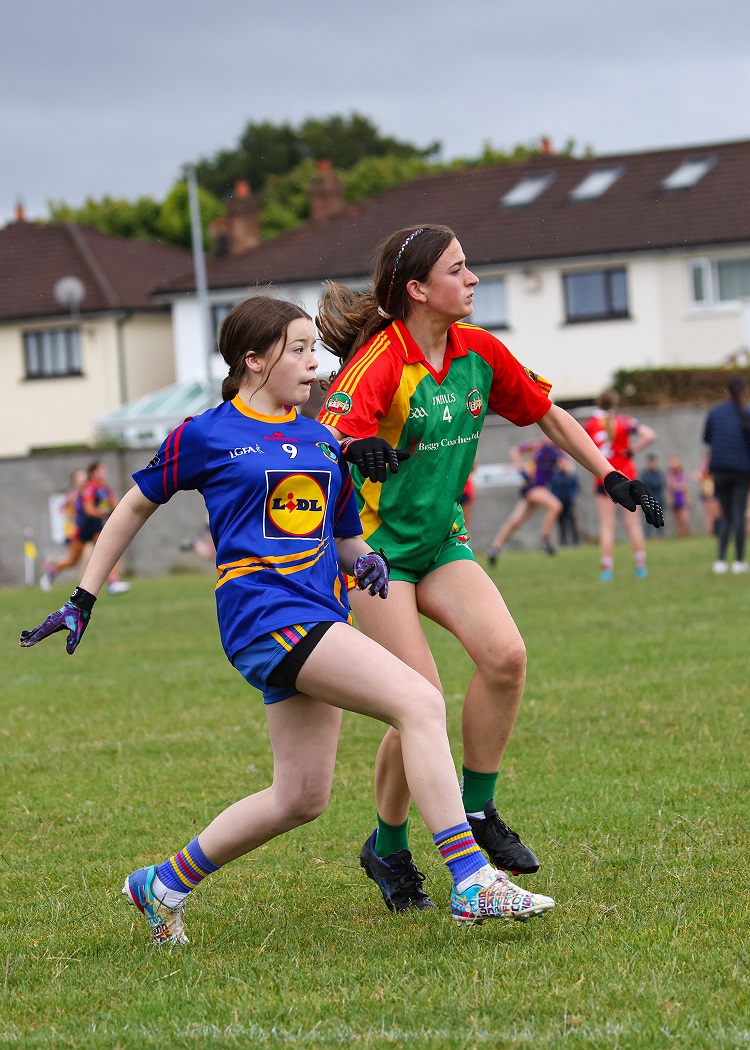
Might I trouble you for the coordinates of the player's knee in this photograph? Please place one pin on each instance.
(305, 803)
(506, 664)
(428, 706)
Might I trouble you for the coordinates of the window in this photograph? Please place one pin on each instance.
(595, 295)
(596, 183)
(52, 352)
(527, 190)
(688, 173)
(719, 281)
(490, 307)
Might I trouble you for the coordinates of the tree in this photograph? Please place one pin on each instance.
(168, 220)
(266, 150)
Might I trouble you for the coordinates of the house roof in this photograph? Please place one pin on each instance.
(117, 274)
(635, 213)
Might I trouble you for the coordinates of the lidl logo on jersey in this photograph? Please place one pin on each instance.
(296, 504)
(474, 402)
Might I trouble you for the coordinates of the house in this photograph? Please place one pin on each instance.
(80, 332)
(586, 265)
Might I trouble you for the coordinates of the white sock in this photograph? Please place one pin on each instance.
(163, 894)
(478, 878)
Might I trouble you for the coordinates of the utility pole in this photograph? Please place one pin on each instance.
(201, 282)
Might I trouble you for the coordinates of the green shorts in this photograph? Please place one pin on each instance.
(455, 547)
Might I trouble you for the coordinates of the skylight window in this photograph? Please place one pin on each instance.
(596, 183)
(689, 173)
(527, 190)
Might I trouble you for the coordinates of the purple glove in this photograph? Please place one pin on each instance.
(371, 570)
(73, 617)
(633, 494)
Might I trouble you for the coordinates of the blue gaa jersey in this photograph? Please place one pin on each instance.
(276, 493)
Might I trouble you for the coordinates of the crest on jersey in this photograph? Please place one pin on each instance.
(339, 403)
(327, 451)
(474, 403)
(296, 504)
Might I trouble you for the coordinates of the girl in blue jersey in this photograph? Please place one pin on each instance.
(284, 520)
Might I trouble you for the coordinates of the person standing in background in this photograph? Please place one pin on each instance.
(727, 433)
(566, 486)
(679, 497)
(653, 476)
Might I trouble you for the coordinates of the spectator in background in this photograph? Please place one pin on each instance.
(612, 434)
(727, 433)
(653, 476)
(709, 502)
(566, 486)
(679, 497)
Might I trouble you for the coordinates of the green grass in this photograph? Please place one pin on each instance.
(627, 773)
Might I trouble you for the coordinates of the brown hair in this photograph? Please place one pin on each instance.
(347, 320)
(255, 324)
(607, 400)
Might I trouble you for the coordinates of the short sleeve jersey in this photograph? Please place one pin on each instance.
(100, 496)
(611, 435)
(277, 493)
(389, 389)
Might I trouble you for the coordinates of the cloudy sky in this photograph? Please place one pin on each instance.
(101, 98)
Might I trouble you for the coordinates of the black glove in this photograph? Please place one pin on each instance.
(371, 570)
(632, 494)
(73, 617)
(372, 455)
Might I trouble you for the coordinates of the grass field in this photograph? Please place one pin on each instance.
(627, 773)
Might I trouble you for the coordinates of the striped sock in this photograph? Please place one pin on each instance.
(460, 852)
(181, 873)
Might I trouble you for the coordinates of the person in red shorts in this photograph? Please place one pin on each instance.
(613, 433)
(412, 395)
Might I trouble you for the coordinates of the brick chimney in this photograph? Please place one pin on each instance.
(326, 191)
(545, 146)
(20, 211)
(239, 228)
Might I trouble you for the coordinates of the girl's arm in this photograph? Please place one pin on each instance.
(645, 437)
(568, 434)
(130, 514)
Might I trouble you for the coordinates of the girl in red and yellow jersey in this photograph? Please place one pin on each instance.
(415, 386)
(612, 434)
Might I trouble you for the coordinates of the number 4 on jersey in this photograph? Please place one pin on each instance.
(447, 414)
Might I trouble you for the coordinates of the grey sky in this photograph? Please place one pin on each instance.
(100, 98)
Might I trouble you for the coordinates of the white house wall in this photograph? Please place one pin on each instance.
(663, 330)
(188, 339)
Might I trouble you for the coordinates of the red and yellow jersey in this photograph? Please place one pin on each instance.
(389, 389)
(611, 435)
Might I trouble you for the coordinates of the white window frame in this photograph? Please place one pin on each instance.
(709, 272)
(47, 347)
(495, 282)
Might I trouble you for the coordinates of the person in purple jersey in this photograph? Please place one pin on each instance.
(535, 494)
(284, 520)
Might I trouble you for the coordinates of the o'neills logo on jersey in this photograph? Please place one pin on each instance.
(296, 504)
(474, 402)
(339, 404)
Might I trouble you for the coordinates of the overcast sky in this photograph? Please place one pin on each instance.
(101, 98)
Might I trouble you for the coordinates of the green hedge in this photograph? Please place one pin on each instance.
(674, 386)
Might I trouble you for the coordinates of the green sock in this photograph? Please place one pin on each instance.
(391, 838)
(477, 789)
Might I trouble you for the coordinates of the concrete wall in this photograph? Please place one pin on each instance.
(26, 485)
